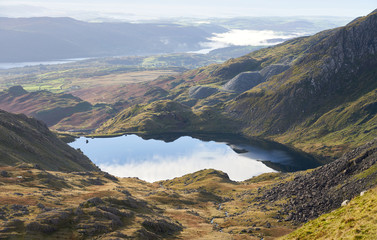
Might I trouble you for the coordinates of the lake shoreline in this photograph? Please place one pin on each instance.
(190, 155)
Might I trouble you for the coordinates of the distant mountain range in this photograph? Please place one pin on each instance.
(44, 38)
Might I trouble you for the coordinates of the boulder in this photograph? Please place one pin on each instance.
(200, 92)
(161, 226)
(243, 82)
(247, 80)
(344, 203)
(4, 174)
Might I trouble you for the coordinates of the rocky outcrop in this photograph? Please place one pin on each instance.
(330, 69)
(200, 92)
(243, 82)
(162, 227)
(325, 188)
(88, 219)
(247, 80)
(272, 70)
(17, 91)
(93, 217)
(240, 83)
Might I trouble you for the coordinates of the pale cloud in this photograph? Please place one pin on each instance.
(249, 37)
(237, 37)
(238, 168)
(153, 160)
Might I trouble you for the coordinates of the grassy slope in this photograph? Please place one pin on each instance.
(56, 205)
(26, 140)
(167, 116)
(356, 220)
(57, 110)
(344, 127)
(123, 206)
(324, 97)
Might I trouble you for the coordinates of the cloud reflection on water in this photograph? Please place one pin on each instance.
(153, 160)
(160, 168)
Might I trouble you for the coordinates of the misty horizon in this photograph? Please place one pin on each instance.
(115, 10)
(118, 28)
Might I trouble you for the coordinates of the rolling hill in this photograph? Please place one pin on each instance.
(57, 110)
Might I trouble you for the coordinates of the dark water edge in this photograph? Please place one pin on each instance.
(295, 160)
(154, 157)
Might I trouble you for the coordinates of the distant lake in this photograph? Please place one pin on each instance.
(5, 65)
(153, 160)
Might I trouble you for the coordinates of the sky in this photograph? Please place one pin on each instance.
(154, 9)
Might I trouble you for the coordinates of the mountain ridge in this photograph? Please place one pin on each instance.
(328, 72)
(47, 38)
(25, 140)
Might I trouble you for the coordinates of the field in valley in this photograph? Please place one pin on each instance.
(94, 87)
(113, 87)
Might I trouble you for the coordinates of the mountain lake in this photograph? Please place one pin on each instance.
(172, 156)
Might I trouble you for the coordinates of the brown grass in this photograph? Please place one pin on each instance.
(114, 87)
(188, 205)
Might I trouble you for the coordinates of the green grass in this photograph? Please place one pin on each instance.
(357, 220)
(265, 177)
(346, 126)
(167, 116)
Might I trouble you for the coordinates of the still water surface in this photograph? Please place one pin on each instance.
(8, 65)
(153, 160)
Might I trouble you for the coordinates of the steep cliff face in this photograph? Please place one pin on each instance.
(327, 94)
(26, 140)
(337, 69)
